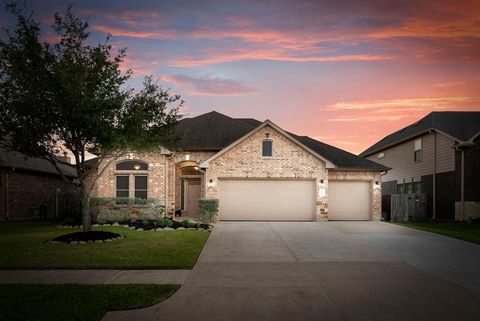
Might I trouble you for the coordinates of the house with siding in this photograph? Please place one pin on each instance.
(439, 155)
(257, 170)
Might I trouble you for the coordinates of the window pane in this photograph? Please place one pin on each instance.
(122, 193)
(400, 189)
(418, 144)
(132, 166)
(417, 155)
(141, 194)
(122, 182)
(140, 182)
(266, 148)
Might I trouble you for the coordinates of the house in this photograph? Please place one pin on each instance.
(257, 170)
(439, 155)
(31, 187)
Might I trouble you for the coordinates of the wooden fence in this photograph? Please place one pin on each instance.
(408, 207)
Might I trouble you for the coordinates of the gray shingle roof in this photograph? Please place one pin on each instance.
(18, 160)
(215, 131)
(462, 126)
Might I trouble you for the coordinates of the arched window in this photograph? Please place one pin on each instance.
(132, 165)
(267, 148)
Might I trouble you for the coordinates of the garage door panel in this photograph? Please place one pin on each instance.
(267, 200)
(348, 200)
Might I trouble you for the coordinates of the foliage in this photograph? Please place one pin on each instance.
(74, 95)
(164, 222)
(59, 302)
(208, 209)
(23, 246)
(188, 224)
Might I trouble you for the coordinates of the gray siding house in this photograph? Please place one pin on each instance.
(438, 155)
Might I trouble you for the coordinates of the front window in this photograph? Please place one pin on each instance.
(267, 148)
(123, 183)
(417, 155)
(141, 186)
(131, 165)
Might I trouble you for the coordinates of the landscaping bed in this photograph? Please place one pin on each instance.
(60, 302)
(87, 237)
(164, 224)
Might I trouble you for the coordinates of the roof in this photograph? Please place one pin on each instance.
(461, 126)
(215, 131)
(20, 161)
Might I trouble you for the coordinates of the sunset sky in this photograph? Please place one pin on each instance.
(343, 72)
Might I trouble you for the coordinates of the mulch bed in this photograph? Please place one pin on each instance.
(87, 237)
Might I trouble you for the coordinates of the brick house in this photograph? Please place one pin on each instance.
(439, 155)
(29, 186)
(257, 170)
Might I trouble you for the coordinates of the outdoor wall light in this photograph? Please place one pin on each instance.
(210, 183)
(267, 134)
(136, 166)
(187, 157)
(196, 168)
(376, 182)
(321, 181)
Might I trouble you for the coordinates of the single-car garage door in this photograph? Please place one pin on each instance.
(267, 200)
(348, 200)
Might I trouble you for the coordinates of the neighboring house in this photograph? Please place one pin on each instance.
(257, 170)
(30, 187)
(440, 156)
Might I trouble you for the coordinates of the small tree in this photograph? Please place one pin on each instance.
(72, 94)
(208, 208)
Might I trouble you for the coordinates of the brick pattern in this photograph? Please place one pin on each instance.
(27, 190)
(243, 160)
(289, 161)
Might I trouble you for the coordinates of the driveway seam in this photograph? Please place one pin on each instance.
(320, 285)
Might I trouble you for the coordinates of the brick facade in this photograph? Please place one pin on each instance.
(23, 192)
(243, 160)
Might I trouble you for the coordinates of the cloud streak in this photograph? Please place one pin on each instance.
(207, 86)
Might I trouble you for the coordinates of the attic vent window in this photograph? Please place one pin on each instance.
(381, 155)
(267, 148)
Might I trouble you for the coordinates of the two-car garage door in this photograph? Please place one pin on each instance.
(268, 200)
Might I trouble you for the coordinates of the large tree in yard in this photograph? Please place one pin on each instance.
(68, 92)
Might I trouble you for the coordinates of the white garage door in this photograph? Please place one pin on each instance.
(268, 200)
(348, 200)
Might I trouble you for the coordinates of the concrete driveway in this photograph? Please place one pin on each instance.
(325, 271)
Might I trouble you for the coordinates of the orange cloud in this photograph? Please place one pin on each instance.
(409, 103)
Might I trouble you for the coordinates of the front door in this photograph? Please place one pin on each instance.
(192, 195)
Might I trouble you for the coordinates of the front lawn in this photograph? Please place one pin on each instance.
(463, 231)
(23, 246)
(69, 302)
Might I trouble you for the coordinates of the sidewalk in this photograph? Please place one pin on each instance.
(95, 276)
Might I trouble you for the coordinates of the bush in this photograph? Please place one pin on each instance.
(188, 224)
(163, 222)
(208, 209)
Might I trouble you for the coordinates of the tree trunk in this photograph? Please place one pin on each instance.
(86, 219)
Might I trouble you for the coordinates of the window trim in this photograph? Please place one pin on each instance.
(271, 148)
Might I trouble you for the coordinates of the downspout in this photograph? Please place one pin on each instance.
(434, 175)
(167, 159)
(6, 197)
(462, 184)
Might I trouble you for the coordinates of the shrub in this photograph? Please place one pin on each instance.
(163, 222)
(188, 224)
(208, 209)
(145, 222)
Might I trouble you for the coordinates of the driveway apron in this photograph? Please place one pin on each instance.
(323, 271)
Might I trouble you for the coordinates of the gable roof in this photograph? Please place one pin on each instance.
(269, 123)
(215, 131)
(17, 160)
(461, 126)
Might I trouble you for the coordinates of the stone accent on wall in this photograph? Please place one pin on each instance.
(289, 160)
(371, 177)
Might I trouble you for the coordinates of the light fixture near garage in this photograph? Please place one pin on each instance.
(210, 183)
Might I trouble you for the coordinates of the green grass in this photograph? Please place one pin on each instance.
(22, 246)
(459, 230)
(68, 302)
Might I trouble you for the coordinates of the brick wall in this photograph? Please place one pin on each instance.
(22, 190)
(288, 161)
